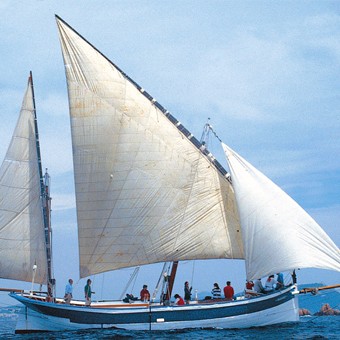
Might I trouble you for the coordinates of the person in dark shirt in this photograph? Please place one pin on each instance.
(88, 293)
(187, 292)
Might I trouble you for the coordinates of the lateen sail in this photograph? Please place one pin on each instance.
(22, 242)
(278, 234)
(144, 192)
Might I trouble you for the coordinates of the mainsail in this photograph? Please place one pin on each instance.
(145, 193)
(22, 240)
(278, 234)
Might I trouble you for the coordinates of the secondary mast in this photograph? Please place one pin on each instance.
(46, 204)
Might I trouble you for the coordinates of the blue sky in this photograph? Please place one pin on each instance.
(266, 73)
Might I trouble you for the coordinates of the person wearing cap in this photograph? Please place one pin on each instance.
(144, 294)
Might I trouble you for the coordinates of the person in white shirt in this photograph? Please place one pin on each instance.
(68, 291)
(270, 284)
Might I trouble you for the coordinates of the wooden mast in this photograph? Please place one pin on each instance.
(46, 202)
(171, 281)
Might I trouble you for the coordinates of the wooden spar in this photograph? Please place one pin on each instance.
(14, 290)
(17, 290)
(171, 280)
(314, 290)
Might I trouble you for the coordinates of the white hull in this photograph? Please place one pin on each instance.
(32, 321)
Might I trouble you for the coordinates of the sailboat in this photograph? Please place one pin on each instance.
(148, 191)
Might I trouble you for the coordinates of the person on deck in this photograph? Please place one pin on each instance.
(187, 292)
(144, 294)
(294, 277)
(88, 293)
(179, 301)
(270, 284)
(68, 292)
(228, 291)
(216, 291)
(249, 285)
(258, 287)
(280, 281)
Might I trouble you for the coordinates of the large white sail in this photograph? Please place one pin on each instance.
(144, 192)
(278, 234)
(22, 241)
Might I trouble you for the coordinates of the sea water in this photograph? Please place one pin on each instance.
(326, 327)
(309, 327)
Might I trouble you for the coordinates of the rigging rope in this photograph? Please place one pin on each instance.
(102, 289)
(161, 277)
(192, 274)
(132, 277)
(205, 134)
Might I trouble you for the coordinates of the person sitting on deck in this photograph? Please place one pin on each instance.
(216, 291)
(144, 294)
(258, 287)
(270, 284)
(228, 291)
(280, 282)
(179, 300)
(249, 285)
